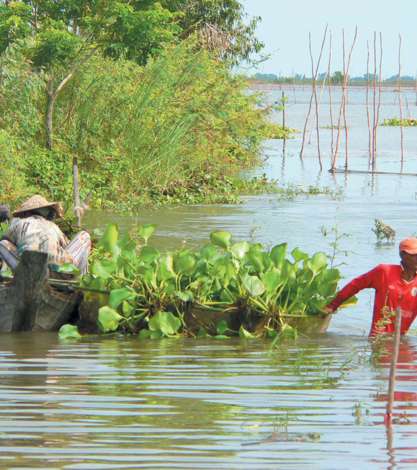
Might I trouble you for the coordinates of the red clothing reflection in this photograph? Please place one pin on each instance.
(391, 292)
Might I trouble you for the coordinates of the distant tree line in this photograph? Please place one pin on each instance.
(335, 79)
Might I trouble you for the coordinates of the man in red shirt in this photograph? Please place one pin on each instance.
(395, 287)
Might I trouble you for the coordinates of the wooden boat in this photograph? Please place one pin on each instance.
(28, 301)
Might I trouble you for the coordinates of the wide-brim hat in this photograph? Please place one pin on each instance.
(38, 202)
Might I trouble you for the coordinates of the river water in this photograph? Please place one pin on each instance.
(314, 404)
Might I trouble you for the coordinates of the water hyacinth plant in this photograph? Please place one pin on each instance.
(224, 288)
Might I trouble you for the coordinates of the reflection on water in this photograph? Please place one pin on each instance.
(122, 403)
(317, 404)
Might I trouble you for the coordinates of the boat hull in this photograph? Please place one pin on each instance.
(29, 303)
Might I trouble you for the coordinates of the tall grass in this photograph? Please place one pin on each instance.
(138, 131)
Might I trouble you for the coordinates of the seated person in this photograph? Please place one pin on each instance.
(32, 229)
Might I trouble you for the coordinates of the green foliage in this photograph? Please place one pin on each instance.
(124, 29)
(69, 332)
(178, 130)
(406, 122)
(165, 322)
(158, 291)
(108, 319)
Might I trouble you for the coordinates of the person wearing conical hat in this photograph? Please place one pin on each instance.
(33, 229)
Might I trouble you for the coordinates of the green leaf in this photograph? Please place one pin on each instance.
(104, 268)
(165, 322)
(253, 285)
(109, 238)
(272, 281)
(318, 262)
(127, 309)
(221, 337)
(222, 327)
(108, 319)
(185, 296)
(145, 231)
(240, 249)
(184, 263)
(221, 239)
(209, 252)
(117, 296)
(202, 333)
(68, 268)
(278, 254)
(156, 335)
(166, 268)
(299, 255)
(256, 258)
(245, 334)
(148, 254)
(68, 331)
(144, 334)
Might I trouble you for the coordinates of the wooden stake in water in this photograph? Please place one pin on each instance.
(378, 104)
(393, 368)
(400, 105)
(368, 116)
(330, 92)
(342, 109)
(314, 77)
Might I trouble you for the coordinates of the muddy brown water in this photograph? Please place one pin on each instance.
(318, 403)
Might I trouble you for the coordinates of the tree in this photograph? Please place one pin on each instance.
(337, 78)
(221, 24)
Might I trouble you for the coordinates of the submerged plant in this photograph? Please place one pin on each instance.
(384, 233)
(224, 288)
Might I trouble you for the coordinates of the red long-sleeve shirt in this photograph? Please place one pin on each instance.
(391, 292)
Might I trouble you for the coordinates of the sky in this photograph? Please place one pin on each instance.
(285, 27)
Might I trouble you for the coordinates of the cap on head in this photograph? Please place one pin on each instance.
(409, 245)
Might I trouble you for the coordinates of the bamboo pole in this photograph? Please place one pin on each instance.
(416, 88)
(311, 98)
(368, 116)
(342, 104)
(378, 105)
(374, 108)
(316, 106)
(400, 104)
(345, 91)
(283, 101)
(393, 368)
(330, 91)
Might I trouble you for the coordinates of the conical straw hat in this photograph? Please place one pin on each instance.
(37, 202)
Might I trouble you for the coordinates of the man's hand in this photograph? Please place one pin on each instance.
(327, 310)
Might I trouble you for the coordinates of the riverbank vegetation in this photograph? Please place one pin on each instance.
(149, 115)
(223, 289)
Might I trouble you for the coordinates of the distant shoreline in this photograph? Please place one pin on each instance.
(274, 84)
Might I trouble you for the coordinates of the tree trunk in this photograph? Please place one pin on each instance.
(76, 191)
(52, 95)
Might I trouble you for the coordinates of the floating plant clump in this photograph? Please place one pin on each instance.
(225, 288)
